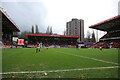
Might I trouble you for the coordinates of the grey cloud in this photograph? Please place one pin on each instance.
(26, 14)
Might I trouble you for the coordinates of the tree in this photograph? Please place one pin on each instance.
(37, 30)
(64, 33)
(50, 32)
(88, 36)
(47, 31)
(32, 29)
(93, 37)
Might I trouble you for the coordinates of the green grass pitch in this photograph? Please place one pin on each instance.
(70, 59)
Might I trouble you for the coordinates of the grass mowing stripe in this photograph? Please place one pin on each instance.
(50, 71)
(90, 58)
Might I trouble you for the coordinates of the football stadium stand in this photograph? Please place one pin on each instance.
(52, 39)
(8, 28)
(112, 38)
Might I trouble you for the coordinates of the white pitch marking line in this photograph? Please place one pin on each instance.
(91, 58)
(50, 71)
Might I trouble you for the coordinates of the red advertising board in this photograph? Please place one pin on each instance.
(20, 41)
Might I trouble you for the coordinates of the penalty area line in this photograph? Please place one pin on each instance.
(65, 70)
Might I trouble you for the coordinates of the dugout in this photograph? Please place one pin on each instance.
(52, 39)
(112, 27)
(9, 28)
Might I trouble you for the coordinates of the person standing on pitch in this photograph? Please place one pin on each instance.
(37, 47)
(47, 46)
(77, 46)
(40, 44)
(100, 48)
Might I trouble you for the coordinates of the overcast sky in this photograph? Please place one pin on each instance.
(56, 13)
